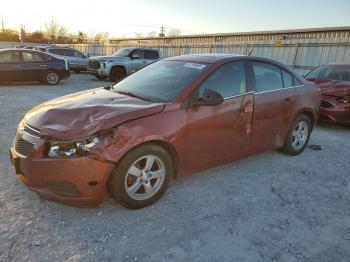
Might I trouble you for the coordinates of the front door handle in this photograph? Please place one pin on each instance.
(43, 65)
(16, 66)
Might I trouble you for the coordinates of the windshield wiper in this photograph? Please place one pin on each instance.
(128, 93)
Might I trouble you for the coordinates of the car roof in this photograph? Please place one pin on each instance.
(341, 64)
(204, 58)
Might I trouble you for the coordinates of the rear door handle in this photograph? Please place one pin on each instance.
(16, 66)
(43, 65)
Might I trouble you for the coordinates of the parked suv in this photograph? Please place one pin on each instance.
(77, 61)
(122, 63)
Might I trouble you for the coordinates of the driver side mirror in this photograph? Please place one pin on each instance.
(208, 98)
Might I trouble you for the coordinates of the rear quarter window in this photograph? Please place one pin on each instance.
(151, 54)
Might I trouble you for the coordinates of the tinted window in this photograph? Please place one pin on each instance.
(42, 49)
(151, 54)
(78, 54)
(56, 51)
(287, 79)
(139, 53)
(29, 56)
(267, 77)
(228, 80)
(9, 56)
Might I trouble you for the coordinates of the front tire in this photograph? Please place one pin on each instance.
(142, 176)
(298, 136)
(117, 73)
(51, 78)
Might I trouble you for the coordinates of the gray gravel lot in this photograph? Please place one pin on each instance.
(269, 207)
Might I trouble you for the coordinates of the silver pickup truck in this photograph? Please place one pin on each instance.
(122, 63)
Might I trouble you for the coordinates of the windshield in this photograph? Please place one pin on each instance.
(122, 52)
(161, 81)
(330, 73)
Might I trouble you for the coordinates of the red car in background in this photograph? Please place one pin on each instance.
(334, 82)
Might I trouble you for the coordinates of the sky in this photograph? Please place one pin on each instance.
(125, 18)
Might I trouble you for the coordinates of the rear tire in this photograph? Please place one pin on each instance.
(51, 77)
(101, 77)
(142, 176)
(117, 73)
(298, 136)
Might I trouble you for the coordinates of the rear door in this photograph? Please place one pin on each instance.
(139, 61)
(274, 101)
(10, 66)
(222, 131)
(80, 60)
(34, 65)
(151, 56)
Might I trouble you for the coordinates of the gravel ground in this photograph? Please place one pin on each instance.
(269, 207)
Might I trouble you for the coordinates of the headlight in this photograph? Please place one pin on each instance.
(72, 149)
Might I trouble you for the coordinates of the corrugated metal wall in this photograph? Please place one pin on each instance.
(300, 49)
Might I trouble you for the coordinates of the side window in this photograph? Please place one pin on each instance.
(228, 80)
(78, 54)
(139, 53)
(10, 57)
(68, 52)
(287, 79)
(267, 77)
(345, 75)
(151, 54)
(29, 56)
(296, 81)
(56, 51)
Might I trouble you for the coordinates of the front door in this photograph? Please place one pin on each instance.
(222, 131)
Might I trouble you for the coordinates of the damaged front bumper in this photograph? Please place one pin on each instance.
(333, 111)
(74, 181)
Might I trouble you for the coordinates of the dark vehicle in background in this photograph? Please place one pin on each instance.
(24, 65)
(173, 117)
(122, 63)
(77, 61)
(334, 82)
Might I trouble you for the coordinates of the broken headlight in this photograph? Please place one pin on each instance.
(72, 148)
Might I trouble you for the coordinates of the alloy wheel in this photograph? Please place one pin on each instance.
(145, 177)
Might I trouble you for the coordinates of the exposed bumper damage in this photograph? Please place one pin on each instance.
(335, 109)
(78, 179)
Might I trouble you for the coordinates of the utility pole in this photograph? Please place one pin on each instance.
(2, 24)
(162, 31)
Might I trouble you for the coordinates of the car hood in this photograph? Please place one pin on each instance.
(333, 87)
(82, 114)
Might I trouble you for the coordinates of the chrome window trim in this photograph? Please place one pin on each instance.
(243, 94)
(278, 89)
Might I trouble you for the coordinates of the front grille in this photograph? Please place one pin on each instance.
(22, 147)
(94, 64)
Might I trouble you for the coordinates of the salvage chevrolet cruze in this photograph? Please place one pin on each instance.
(174, 117)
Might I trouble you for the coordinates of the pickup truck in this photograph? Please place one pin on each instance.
(122, 63)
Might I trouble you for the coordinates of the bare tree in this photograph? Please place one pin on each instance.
(174, 32)
(51, 29)
(138, 34)
(152, 34)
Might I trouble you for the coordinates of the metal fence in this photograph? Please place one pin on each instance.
(300, 49)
